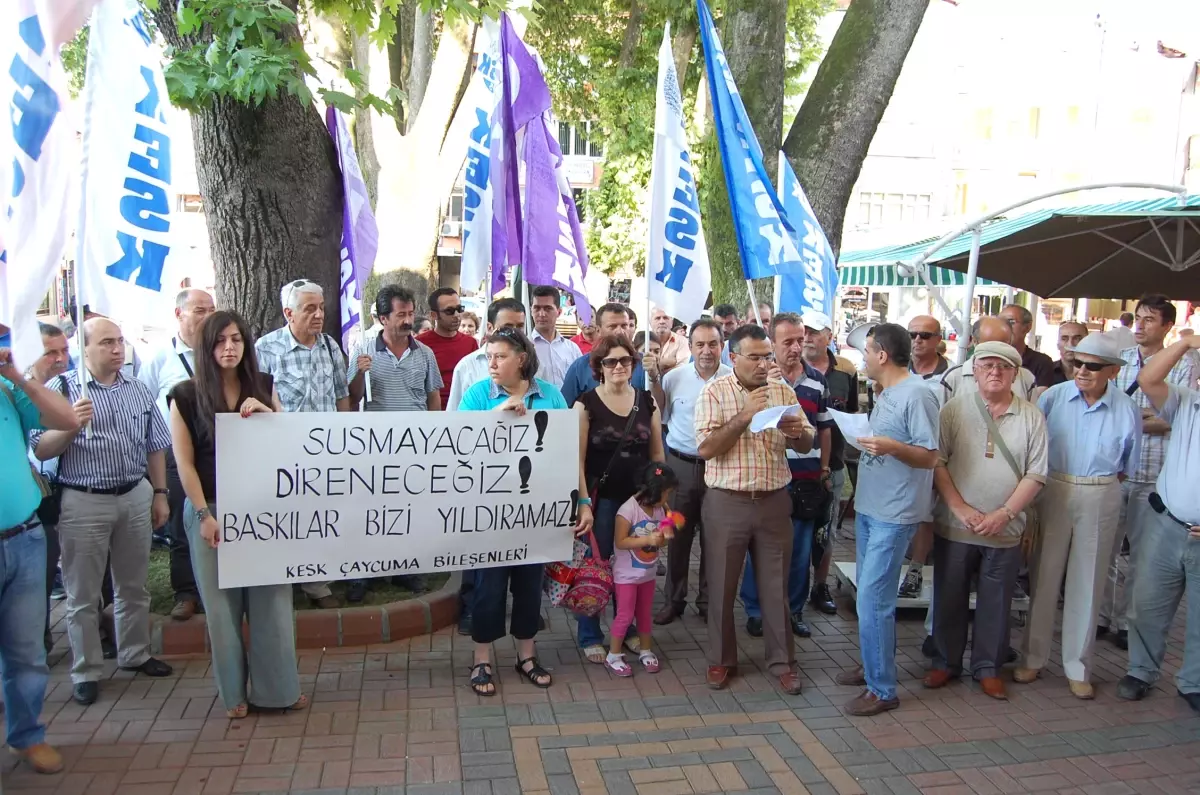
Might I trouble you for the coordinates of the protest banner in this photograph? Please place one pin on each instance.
(330, 496)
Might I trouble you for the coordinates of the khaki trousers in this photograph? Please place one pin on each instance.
(761, 524)
(1079, 522)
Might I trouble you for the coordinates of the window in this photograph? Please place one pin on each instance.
(564, 136)
(188, 203)
(876, 209)
(455, 211)
(581, 143)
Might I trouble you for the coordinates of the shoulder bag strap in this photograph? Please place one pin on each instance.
(182, 359)
(637, 396)
(997, 439)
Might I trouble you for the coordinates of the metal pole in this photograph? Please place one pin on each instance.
(1009, 294)
(1033, 310)
(753, 302)
(972, 272)
(362, 336)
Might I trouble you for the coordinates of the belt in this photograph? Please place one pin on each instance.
(1078, 481)
(752, 496)
(691, 459)
(13, 532)
(115, 491)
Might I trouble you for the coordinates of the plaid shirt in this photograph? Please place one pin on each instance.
(757, 461)
(1183, 374)
(307, 379)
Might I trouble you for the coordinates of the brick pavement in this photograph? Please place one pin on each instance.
(399, 718)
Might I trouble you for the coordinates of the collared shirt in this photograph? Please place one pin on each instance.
(1153, 447)
(398, 384)
(1059, 376)
(681, 388)
(554, 356)
(306, 379)
(841, 393)
(487, 395)
(756, 462)
(1181, 467)
(676, 347)
(888, 489)
(813, 396)
(20, 496)
(943, 364)
(960, 380)
(1041, 365)
(579, 379)
(126, 428)
(467, 373)
(170, 365)
(1093, 441)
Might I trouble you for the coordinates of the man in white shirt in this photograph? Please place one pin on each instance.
(473, 368)
(554, 351)
(171, 364)
(676, 394)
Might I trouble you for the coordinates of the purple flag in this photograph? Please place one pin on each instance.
(360, 235)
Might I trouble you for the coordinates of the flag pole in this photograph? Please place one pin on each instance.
(362, 338)
(778, 189)
(89, 90)
(753, 301)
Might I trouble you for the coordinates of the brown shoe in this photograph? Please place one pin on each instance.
(1024, 676)
(790, 683)
(852, 678)
(1083, 690)
(719, 676)
(42, 758)
(667, 615)
(184, 609)
(993, 686)
(938, 677)
(327, 602)
(869, 704)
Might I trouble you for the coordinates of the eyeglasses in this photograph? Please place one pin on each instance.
(758, 358)
(925, 335)
(994, 366)
(451, 311)
(613, 362)
(1094, 367)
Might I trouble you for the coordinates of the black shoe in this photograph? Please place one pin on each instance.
(356, 591)
(86, 693)
(910, 588)
(799, 628)
(1101, 632)
(108, 648)
(702, 611)
(1192, 699)
(1012, 656)
(754, 627)
(822, 599)
(48, 641)
(929, 647)
(159, 540)
(152, 667)
(413, 582)
(1130, 688)
(541, 624)
(1121, 641)
(464, 624)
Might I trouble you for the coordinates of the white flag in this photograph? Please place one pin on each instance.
(679, 278)
(125, 265)
(38, 162)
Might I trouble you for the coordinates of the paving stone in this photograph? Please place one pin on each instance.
(669, 735)
(805, 771)
(574, 741)
(618, 783)
(472, 740)
(726, 755)
(624, 763)
(496, 740)
(754, 775)
(487, 758)
(555, 762)
(674, 760)
(757, 728)
(435, 789)
(541, 715)
(612, 710)
(488, 772)
(477, 788)
(506, 786)
(562, 785)
(620, 738)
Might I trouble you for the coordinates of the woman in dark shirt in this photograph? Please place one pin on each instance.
(227, 380)
(603, 415)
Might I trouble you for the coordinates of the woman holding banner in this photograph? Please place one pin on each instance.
(512, 362)
(227, 380)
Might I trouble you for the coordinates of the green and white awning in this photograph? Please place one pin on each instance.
(888, 276)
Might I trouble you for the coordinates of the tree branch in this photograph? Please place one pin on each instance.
(633, 31)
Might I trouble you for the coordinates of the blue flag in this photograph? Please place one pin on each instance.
(814, 288)
(765, 240)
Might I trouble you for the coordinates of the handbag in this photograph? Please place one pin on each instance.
(592, 586)
(560, 576)
(810, 500)
(1032, 528)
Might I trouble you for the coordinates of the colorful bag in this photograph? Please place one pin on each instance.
(561, 576)
(592, 588)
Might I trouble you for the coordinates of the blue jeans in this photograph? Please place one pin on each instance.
(604, 526)
(802, 538)
(22, 621)
(879, 554)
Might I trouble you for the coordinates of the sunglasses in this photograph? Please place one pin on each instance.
(925, 335)
(450, 311)
(613, 362)
(1094, 367)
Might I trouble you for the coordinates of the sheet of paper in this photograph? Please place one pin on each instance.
(770, 417)
(852, 426)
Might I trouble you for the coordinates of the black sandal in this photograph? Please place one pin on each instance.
(534, 673)
(483, 679)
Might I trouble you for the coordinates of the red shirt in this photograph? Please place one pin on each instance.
(448, 351)
(581, 341)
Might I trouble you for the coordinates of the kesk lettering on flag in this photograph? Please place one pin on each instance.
(126, 267)
(38, 161)
(765, 240)
(678, 265)
(815, 287)
(360, 235)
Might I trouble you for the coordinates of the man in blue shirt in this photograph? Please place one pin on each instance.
(612, 319)
(25, 406)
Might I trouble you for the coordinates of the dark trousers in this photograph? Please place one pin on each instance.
(492, 587)
(466, 593)
(761, 524)
(954, 565)
(688, 500)
(183, 580)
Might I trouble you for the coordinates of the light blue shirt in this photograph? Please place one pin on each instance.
(487, 395)
(889, 490)
(1094, 441)
(579, 379)
(1180, 474)
(20, 496)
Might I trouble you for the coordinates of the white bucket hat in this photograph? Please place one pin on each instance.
(1102, 346)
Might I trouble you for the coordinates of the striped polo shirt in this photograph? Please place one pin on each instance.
(814, 398)
(398, 384)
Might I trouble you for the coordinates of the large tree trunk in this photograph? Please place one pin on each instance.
(364, 135)
(682, 44)
(272, 200)
(422, 62)
(834, 127)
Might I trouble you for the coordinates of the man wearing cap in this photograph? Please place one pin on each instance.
(992, 463)
(1095, 433)
(1167, 564)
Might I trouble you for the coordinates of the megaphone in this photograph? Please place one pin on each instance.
(857, 338)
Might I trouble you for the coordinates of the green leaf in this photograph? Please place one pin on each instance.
(342, 101)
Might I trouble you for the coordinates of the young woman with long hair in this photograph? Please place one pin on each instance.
(227, 381)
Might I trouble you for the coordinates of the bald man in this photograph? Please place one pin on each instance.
(989, 328)
(926, 334)
(1070, 334)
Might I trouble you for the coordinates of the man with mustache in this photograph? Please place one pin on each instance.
(1070, 334)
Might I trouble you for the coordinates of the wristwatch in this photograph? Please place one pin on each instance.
(203, 513)
(163, 492)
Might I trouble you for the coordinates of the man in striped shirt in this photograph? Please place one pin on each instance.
(555, 352)
(108, 505)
